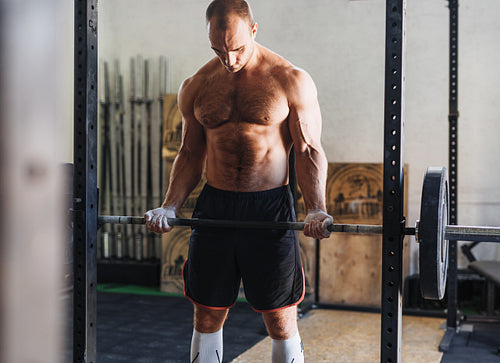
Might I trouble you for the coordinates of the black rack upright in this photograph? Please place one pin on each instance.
(85, 181)
(452, 287)
(393, 219)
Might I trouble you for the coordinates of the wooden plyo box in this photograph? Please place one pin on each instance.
(350, 264)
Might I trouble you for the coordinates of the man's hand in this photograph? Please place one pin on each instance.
(156, 219)
(317, 223)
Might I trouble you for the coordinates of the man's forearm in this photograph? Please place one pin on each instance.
(311, 169)
(186, 173)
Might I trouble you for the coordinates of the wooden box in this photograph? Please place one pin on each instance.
(350, 264)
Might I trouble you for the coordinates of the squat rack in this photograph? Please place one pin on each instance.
(86, 196)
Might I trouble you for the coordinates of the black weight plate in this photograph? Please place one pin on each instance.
(433, 247)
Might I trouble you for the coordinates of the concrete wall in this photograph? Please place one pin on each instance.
(341, 44)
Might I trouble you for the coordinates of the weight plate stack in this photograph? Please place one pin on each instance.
(433, 247)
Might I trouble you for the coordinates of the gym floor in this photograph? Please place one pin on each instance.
(146, 328)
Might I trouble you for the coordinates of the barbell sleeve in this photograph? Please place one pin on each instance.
(194, 222)
(472, 233)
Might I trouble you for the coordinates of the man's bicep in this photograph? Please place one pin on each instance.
(305, 116)
(193, 136)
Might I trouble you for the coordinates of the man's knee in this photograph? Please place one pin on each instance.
(281, 324)
(209, 320)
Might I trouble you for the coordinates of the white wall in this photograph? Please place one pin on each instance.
(341, 44)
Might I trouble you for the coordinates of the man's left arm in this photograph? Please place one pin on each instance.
(310, 160)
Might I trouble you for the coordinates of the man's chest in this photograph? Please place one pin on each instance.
(260, 102)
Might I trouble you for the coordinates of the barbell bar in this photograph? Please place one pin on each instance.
(455, 233)
(216, 223)
(432, 231)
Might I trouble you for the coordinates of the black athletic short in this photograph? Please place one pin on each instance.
(268, 261)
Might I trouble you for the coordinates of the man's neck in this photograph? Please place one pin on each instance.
(254, 59)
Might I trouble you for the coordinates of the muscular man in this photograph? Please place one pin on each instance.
(242, 112)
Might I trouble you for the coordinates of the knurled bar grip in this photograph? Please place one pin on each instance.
(194, 222)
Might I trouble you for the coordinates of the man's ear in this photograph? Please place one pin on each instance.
(254, 30)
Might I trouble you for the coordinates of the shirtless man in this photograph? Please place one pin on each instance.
(242, 112)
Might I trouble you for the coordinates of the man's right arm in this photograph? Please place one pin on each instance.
(188, 165)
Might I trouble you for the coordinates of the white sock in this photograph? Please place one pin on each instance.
(288, 350)
(206, 347)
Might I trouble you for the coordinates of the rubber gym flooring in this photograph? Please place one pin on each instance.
(149, 327)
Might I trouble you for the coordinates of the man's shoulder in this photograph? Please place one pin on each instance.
(201, 74)
(193, 83)
(286, 72)
(296, 83)
(292, 77)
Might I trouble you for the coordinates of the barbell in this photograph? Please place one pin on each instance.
(432, 231)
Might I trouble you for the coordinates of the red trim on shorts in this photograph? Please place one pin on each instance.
(294, 304)
(197, 303)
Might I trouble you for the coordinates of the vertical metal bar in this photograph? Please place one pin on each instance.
(452, 283)
(490, 304)
(85, 181)
(452, 312)
(393, 219)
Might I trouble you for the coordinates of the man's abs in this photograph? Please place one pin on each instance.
(247, 157)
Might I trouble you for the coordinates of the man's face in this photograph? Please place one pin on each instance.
(234, 46)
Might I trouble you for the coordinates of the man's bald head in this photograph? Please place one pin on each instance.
(222, 10)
